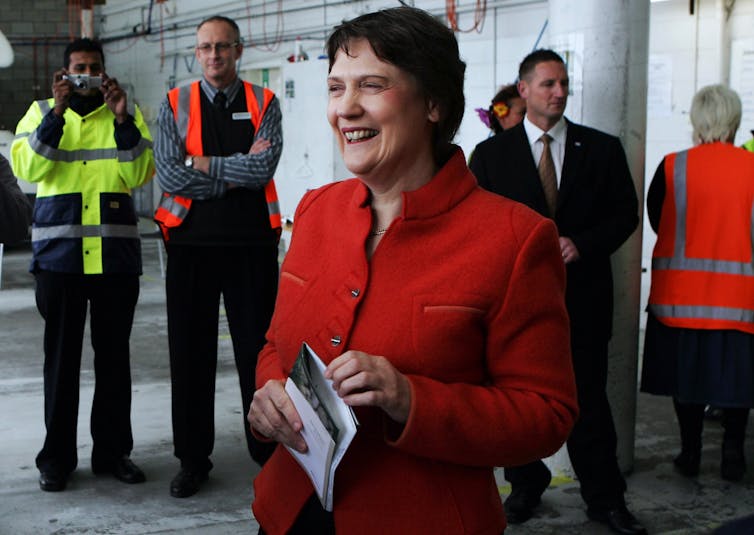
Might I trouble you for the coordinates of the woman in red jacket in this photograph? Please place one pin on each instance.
(437, 307)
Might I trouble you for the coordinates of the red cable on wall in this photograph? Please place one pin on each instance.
(480, 11)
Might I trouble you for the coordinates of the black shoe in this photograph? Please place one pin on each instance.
(619, 519)
(687, 462)
(519, 506)
(187, 483)
(733, 465)
(52, 481)
(123, 469)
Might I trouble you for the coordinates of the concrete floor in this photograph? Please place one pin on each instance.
(664, 501)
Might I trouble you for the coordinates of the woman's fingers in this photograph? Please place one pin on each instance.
(273, 414)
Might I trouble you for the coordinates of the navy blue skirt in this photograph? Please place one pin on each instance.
(711, 367)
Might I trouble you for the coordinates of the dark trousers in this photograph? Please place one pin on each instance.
(312, 520)
(593, 442)
(691, 422)
(62, 300)
(246, 277)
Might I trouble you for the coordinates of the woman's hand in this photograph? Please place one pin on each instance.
(368, 380)
(273, 415)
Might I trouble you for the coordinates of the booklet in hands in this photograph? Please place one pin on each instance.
(329, 424)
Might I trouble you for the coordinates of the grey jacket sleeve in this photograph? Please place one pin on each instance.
(15, 209)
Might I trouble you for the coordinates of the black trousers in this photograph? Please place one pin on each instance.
(62, 300)
(312, 520)
(196, 277)
(691, 423)
(593, 442)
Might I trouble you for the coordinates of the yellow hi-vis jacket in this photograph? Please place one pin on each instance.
(84, 217)
(187, 110)
(749, 145)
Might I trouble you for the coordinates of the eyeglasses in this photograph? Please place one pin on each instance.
(206, 48)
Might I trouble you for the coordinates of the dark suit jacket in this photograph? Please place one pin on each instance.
(597, 208)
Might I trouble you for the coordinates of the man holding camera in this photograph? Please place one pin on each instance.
(86, 148)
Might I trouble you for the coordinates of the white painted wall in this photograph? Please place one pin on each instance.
(151, 63)
(689, 51)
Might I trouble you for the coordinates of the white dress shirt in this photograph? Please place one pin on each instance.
(557, 144)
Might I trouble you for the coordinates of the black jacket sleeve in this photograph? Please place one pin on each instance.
(15, 209)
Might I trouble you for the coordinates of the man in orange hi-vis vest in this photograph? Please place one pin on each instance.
(217, 145)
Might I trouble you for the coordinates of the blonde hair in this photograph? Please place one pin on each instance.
(715, 114)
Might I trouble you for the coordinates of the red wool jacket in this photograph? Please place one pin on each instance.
(464, 295)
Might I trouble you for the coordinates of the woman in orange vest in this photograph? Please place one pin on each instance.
(699, 344)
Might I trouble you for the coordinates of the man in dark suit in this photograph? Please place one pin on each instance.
(579, 177)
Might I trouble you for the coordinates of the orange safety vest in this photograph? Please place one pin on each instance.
(703, 261)
(186, 104)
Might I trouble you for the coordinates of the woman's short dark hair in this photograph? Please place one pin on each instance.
(419, 44)
(83, 44)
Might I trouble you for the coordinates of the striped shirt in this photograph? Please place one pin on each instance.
(251, 171)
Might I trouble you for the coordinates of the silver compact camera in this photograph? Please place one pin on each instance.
(83, 81)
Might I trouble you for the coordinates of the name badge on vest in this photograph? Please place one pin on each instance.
(241, 115)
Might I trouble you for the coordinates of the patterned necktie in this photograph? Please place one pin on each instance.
(546, 170)
(220, 100)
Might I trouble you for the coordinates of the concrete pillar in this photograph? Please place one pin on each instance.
(605, 43)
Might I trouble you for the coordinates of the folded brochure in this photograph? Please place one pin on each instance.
(329, 424)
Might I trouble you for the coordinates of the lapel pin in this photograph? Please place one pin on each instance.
(577, 143)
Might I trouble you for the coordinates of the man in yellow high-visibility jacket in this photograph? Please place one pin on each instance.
(86, 148)
(749, 145)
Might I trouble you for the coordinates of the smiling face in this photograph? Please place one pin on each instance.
(218, 60)
(380, 119)
(545, 91)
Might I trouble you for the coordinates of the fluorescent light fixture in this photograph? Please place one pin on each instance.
(6, 52)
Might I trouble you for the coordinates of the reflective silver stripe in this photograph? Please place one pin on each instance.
(679, 261)
(44, 106)
(704, 264)
(174, 207)
(751, 237)
(84, 231)
(703, 312)
(22, 134)
(679, 186)
(133, 154)
(259, 94)
(182, 116)
(60, 155)
(273, 207)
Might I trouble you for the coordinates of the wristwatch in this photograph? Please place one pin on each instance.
(189, 162)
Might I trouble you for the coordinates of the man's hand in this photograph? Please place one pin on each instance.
(259, 145)
(61, 92)
(568, 250)
(201, 163)
(115, 98)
